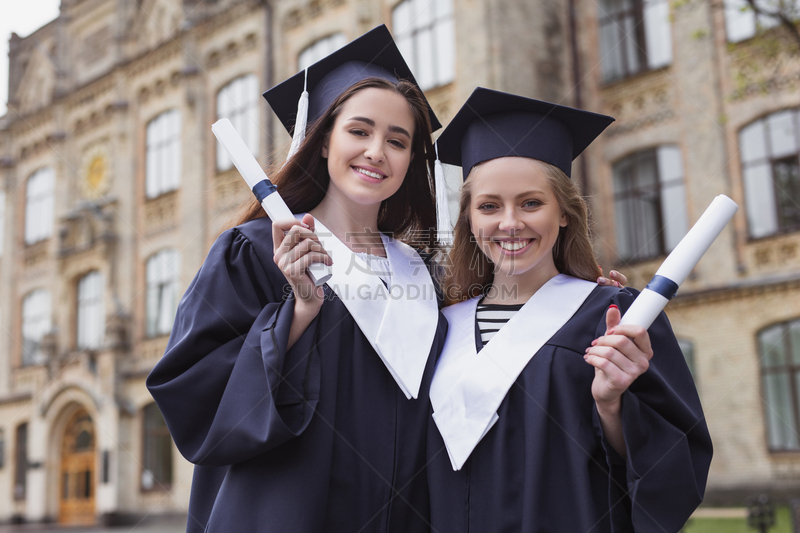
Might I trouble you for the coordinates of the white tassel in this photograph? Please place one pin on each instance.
(444, 229)
(301, 122)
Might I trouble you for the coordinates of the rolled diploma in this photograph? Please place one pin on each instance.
(680, 262)
(256, 179)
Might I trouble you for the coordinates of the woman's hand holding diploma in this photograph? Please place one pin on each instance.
(618, 357)
(296, 247)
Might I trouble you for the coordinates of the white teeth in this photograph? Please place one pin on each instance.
(370, 174)
(513, 246)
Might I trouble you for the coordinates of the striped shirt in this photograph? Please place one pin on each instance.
(491, 317)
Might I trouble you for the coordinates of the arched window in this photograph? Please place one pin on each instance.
(36, 322)
(157, 446)
(91, 311)
(424, 32)
(39, 206)
(163, 172)
(769, 150)
(779, 354)
(162, 291)
(649, 203)
(238, 102)
(319, 49)
(635, 36)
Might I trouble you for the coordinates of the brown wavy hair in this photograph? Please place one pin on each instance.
(408, 215)
(468, 272)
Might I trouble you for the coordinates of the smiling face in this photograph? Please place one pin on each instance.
(515, 217)
(369, 148)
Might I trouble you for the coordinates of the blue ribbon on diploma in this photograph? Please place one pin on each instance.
(663, 286)
(262, 189)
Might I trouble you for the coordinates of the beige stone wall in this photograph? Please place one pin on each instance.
(104, 113)
(723, 328)
(700, 103)
(170, 55)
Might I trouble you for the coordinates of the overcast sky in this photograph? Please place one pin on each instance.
(24, 18)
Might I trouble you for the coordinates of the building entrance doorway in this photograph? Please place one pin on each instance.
(77, 480)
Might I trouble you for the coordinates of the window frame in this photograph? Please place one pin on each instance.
(441, 27)
(638, 14)
(45, 323)
(161, 433)
(173, 263)
(90, 307)
(792, 371)
(241, 108)
(21, 463)
(658, 188)
(756, 22)
(39, 206)
(163, 153)
(768, 160)
(320, 48)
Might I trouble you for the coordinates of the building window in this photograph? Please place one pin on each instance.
(779, 351)
(742, 23)
(157, 445)
(634, 36)
(91, 314)
(21, 462)
(423, 30)
(39, 206)
(771, 173)
(162, 291)
(163, 153)
(687, 349)
(649, 203)
(238, 102)
(36, 322)
(319, 49)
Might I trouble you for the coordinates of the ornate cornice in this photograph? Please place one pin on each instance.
(738, 290)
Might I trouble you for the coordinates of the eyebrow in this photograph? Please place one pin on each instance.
(520, 195)
(393, 129)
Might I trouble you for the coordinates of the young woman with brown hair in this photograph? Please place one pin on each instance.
(305, 408)
(548, 414)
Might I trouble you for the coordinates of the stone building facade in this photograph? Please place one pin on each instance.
(112, 190)
(708, 105)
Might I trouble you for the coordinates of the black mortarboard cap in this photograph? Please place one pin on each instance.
(494, 124)
(374, 54)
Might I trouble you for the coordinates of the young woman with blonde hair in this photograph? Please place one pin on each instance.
(549, 415)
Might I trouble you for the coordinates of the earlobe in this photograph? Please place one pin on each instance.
(563, 222)
(325, 150)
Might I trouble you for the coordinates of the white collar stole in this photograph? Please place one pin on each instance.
(469, 386)
(399, 321)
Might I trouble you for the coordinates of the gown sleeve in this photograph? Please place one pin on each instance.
(227, 387)
(662, 480)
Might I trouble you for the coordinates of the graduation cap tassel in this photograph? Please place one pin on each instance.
(444, 229)
(301, 122)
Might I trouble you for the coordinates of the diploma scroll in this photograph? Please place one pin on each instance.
(680, 262)
(262, 188)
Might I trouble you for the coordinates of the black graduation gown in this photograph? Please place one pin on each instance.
(545, 466)
(316, 438)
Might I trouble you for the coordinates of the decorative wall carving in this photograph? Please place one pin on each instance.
(217, 56)
(161, 214)
(92, 223)
(309, 10)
